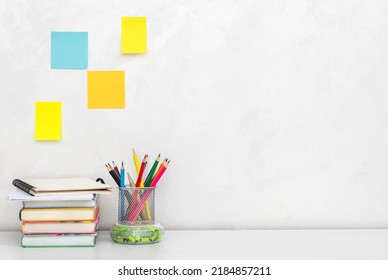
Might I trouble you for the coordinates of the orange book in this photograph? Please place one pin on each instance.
(44, 227)
(58, 214)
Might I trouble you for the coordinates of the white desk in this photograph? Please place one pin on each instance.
(223, 245)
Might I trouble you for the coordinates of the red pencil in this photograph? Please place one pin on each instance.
(156, 179)
(159, 169)
(135, 212)
(138, 183)
(142, 168)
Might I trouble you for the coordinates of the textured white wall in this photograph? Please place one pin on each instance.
(274, 113)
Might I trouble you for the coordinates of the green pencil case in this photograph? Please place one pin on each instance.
(137, 233)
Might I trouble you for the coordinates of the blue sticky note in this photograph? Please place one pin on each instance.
(69, 50)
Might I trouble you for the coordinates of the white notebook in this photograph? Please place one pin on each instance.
(61, 186)
(17, 195)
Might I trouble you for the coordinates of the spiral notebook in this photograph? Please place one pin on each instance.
(61, 186)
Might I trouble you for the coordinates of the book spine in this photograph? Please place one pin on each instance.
(22, 241)
(94, 241)
(22, 185)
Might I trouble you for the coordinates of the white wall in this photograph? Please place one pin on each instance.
(273, 113)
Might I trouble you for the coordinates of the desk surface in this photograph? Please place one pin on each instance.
(222, 245)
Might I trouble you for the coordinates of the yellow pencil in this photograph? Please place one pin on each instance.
(137, 166)
(144, 215)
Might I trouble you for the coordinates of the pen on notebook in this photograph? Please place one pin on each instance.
(133, 214)
(147, 181)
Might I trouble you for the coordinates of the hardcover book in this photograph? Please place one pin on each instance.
(60, 227)
(58, 214)
(59, 240)
(58, 201)
(61, 203)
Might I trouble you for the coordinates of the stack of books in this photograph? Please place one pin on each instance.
(61, 213)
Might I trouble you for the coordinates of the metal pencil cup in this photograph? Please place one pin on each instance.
(136, 204)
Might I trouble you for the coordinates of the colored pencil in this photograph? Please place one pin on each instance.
(159, 169)
(140, 183)
(135, 192)
(148, 180)
(122, 175)
(128, 195)
(142, 168)
(131, 182)
(133, 214)
(136, 161)
(137, 165)
(156, 179)
(115, 177)
(110, 166)
(122, 192)
(116, 169)
(149, 183)
(113, 174)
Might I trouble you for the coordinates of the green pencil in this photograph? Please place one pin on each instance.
(148, 180)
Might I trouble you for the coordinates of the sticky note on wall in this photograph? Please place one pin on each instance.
(48, 120)
(133, 34)
(106, 89)
(69, 50)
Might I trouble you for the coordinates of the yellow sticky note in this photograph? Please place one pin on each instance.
(48, 120)
(133, 34)
(106, 89)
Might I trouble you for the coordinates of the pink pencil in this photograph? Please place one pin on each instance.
(140, 205)
(138, 183)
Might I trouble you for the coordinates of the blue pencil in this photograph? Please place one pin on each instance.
(122, 176)
(122, 185)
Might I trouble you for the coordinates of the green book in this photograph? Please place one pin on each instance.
(59, 240)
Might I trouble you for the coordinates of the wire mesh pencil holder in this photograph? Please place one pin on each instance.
(136, 217)
(136, 204)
